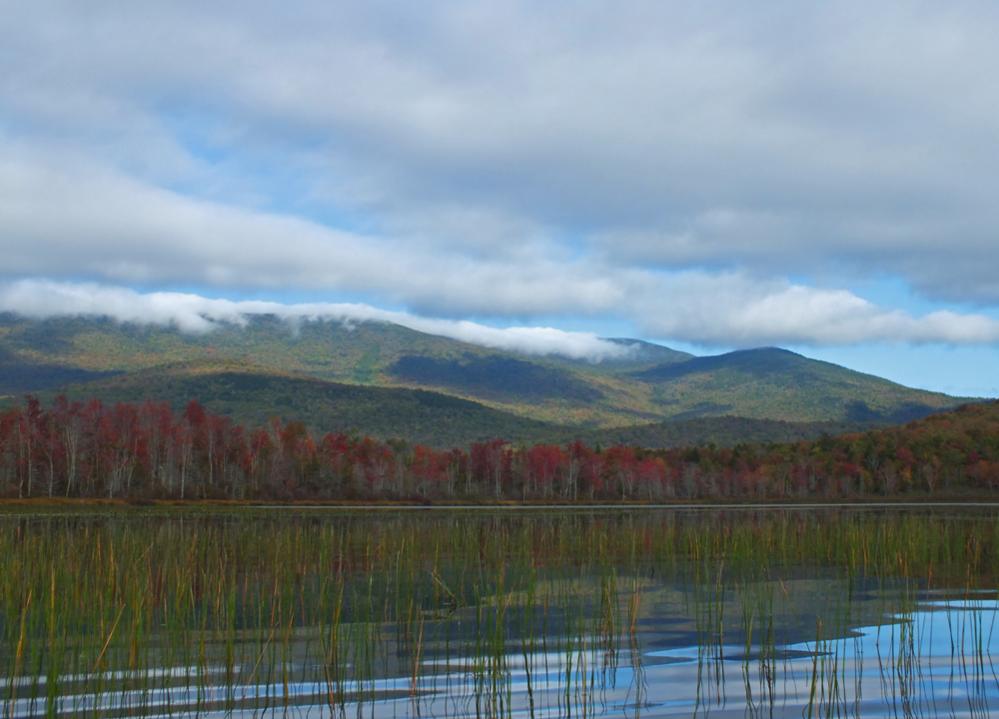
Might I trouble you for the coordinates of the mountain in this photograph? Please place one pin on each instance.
(773, 383)
(253, 397)
(361, 376)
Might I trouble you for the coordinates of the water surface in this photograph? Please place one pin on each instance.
(871, 612)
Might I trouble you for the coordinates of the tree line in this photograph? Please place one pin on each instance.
(149, 451)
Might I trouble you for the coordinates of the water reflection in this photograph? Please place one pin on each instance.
(349, 618)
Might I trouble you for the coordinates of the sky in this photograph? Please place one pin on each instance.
(533, 176)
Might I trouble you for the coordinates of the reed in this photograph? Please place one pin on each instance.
(145, 612)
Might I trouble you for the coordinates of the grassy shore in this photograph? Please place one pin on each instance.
(111, 609)
(956, 499)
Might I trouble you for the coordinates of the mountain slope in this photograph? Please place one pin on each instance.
(253, 398)
(367, 353)
(648, 385)
(772, 383)
(495, 377)
(18, 376)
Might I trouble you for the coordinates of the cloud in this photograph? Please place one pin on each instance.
(72, 218)
(725, 311)
(786, 139)
(66, 217)
(195, 314)
(740, 310)
(664, 166)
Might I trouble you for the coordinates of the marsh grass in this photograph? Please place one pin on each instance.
(475, 614)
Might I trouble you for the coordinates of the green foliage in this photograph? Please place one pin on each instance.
(495, 376)
(776, 384)
(721, 431)
(23, 377)
(649, 385)
(254, 398)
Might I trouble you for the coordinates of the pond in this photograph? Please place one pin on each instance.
(867, 612)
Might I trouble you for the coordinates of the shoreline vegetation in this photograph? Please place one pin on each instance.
(148, 454)
(899, 501)
(499, 614)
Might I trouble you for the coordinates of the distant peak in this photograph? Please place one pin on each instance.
(767, 350)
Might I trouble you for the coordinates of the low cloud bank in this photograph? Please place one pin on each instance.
(740, 310)
(195, 314)
(714, 310)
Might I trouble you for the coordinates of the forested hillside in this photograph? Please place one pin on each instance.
(72, 449)
(303, 370)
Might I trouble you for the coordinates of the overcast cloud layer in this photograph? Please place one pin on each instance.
(738, 309)
(714, 172)
(194, 314)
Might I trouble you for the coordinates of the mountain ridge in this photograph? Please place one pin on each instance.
(252, 398)
(651, 385)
